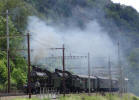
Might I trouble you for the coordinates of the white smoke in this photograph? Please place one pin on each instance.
(77, 41)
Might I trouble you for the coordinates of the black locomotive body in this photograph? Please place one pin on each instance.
(42, 78)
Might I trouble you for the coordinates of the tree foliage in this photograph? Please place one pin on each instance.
(120, 21)
(19, 11)
(18, 63)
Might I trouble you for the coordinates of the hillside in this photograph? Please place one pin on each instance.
(121, 22)
(19, 12)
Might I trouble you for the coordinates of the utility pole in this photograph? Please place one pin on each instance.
(28, 43)
(8, 63)
(120, 71)
(63, 63)
(64, 69)
(110, 76)
(29, 80)
(88, 73)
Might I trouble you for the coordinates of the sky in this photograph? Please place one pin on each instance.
(133, 3)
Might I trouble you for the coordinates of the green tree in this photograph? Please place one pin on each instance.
(19, 11)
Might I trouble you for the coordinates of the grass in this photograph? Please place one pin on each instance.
(100, 97)
(91, 97)
(31, 99)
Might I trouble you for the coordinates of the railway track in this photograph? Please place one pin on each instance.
(22, 95)
(12, 94)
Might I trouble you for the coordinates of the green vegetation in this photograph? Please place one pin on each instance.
(17, 9)
(92, 97)
(99, 97)
(16, 63)
(31, 99)
(121, 22)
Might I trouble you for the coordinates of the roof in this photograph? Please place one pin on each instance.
(86, 76)
(106, 78)
(126, 79)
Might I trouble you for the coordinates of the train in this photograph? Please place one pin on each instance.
(42, 78)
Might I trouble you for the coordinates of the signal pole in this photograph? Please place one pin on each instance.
(8, 63)
(29, 80)
(88, 74)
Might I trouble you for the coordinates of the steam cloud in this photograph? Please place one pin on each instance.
(77, 41)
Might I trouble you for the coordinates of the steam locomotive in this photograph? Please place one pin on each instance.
(42, 78)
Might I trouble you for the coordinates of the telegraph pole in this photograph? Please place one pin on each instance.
(110, 76)
(63, 63)
(8, 63)
(29, 80)
(63, 49)
(120, 71)
(88, 73)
